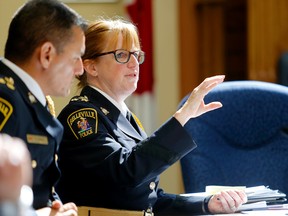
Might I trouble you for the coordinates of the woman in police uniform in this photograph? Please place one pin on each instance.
(106, 159)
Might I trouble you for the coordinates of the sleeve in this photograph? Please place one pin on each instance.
(181, 205)
(120, 157)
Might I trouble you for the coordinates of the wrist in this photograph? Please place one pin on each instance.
(205, 204)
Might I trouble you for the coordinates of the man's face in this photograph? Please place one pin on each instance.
(66, 65)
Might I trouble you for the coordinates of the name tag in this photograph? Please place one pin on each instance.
(37, 139)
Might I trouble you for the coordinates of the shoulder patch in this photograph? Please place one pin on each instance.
(83, 122)
(6, 110)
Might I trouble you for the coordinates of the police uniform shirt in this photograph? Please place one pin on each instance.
(23, 114)
(105, 162)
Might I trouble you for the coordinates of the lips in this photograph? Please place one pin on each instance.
(132, 75)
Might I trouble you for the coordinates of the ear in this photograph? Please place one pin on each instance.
(90, 67)
(47, 53)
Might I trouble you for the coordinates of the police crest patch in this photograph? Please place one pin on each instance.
(6, 110)
(83, 122)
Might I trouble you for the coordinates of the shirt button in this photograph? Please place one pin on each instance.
(34, 164)
(152, 185)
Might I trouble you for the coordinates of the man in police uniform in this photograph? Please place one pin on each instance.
(42, 54)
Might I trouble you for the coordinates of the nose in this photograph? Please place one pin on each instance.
(78, 67)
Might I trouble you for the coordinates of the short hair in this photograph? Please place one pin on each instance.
(37, 22)
(103, 34)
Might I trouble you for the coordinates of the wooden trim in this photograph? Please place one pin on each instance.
(96, 211)
(189, 71)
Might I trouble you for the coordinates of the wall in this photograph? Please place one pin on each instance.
(167, 74)
(165, 54)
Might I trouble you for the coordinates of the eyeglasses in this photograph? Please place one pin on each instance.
(123, 56)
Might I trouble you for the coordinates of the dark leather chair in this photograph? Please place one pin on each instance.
(245, 143)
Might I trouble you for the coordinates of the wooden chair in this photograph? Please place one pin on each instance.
(93, 211)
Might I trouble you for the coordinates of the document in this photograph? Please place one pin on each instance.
(259, 197)
(264, 193)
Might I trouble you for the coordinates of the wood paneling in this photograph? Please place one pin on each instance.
(267, 37)
(242, 39)
(210, 19)
(212, 40)
(188, 43)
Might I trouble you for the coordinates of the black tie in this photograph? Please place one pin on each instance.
(130, 118)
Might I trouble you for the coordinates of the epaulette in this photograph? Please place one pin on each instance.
(8, 81)
(80, 98)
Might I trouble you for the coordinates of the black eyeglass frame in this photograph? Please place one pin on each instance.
(141, 54)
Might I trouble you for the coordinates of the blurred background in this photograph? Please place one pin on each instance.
(186, 41)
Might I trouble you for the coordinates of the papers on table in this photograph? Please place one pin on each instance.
(262, 197)
(259, 197)
(264, 193)
(213, 189)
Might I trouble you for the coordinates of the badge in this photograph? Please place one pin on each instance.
(6, 110)
(37, 139)
(9, 81)
(31, 98)
(83, 122)
(2, 81)
(80, 98)
(105, 111)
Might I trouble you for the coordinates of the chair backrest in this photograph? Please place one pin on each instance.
(245, 143)
(282, 67)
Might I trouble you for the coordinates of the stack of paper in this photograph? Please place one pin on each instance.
(259, 197)
(264, 193)
(262, 197)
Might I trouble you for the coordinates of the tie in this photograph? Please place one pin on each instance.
(130, 118)
(135, 122)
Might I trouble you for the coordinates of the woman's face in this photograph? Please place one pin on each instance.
(116, 79)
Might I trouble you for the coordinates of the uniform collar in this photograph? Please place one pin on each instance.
(122, 107)
(30, 83)
(110, 110)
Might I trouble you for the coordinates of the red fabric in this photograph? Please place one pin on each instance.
(140, 12)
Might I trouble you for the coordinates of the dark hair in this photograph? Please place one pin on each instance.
(37, 22)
